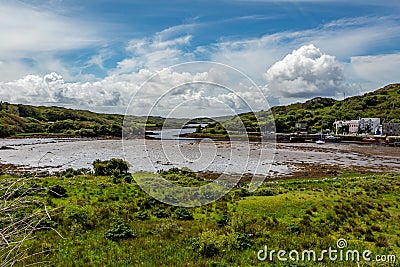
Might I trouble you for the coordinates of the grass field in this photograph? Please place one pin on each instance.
(110, 221)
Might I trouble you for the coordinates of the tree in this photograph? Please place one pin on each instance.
(108, 167)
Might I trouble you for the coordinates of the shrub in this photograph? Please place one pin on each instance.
(294, 229)
(245, 241)
(168, 229)
(370, 238)
(119, 230)
(183, 214)
(128, 178)
(222, 220)
(57, 191)
(207, 244)
(142, 215)
(78, 215)
(376, 228)
(210, 242)
(162, 213)
(107, 167)
(382, 242)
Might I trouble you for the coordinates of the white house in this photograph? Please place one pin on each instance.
(347, 127)
(370, 125)
(363, 125)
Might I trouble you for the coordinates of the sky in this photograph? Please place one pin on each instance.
(99, 55)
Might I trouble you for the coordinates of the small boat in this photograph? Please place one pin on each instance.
(321, 140)
(370, 140)
(332, 139)
(388, 141)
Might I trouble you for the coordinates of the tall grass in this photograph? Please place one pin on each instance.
(22, 214)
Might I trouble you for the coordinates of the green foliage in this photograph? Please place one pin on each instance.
(30, 120)
(222, 220)
(113, 166)
(183, 214)
(119, 230)
(57, 191)
(78, 217)
(206, 244)
(210, 242)
(142, 215)
(183, 177)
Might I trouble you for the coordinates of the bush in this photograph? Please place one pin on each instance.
(382, 242)
(162, 213)
(108, 167)
(168, 229)
(210, 242)
(78, 216)
(119, 230)
(128, 178)
(207, 244)
(294, 228)
(183, 214)
(57, 191)
(222, 220)
(142, 215)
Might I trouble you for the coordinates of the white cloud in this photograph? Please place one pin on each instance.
(306, 73)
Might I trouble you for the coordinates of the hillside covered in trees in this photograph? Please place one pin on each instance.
(26, 120)
(318, 113)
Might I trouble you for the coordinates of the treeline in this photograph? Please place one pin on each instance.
(319, 113)
(18, 119)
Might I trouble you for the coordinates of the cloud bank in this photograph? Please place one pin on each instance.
(306, 73)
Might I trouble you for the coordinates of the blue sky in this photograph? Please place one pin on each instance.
(86, 53)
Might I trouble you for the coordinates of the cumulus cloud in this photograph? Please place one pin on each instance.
(304, 73)
(110, 94)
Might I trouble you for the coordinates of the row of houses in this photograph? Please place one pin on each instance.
(371, 126)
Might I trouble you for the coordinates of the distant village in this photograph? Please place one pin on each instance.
(366, 126)
(363, 130)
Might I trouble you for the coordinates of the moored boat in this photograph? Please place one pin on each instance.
(370, 140)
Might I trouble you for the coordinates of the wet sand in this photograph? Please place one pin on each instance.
(206, 157)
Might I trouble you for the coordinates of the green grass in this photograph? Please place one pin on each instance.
(290, 214)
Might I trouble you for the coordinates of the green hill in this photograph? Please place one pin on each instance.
(26, 120)
(320, 113)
